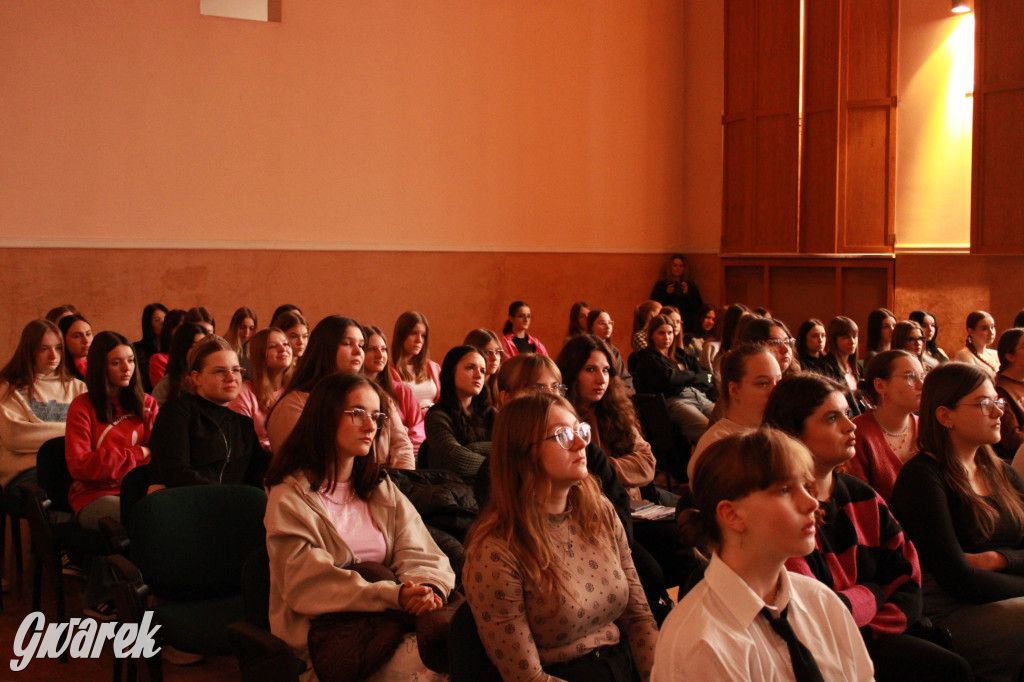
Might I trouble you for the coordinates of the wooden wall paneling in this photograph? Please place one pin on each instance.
(819, 148)
(867, 160)
(799, 293)
(743, 284)
(997, 210)
(863, 290)
(738, 171)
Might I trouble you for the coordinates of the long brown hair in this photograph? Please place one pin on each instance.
(97, 380)
(518, 481)
(841, 326)
(613, 416)
(259, 379)
(20, 370)
(312, 446)
(945, 386)
(404, 325)
(237, 319)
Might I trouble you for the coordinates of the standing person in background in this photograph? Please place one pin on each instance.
(375, 367)
(981, 333)
(152, 323)
(241, 328)
(410, 358)
(577, 320)
(601, 325)
(677, 289)
(490, 345)
(515, 334)
(269, 371)
(77, 333)
(158, 361)
(881, 323)
(36, 390)
(933, 354)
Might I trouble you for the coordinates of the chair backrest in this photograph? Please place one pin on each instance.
(133, 488)
(256, 588)
(190, 543)
(52, 473)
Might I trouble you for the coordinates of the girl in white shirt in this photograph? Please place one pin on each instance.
(756, 508)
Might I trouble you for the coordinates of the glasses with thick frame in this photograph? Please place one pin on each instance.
(359, 416)
(565, 435)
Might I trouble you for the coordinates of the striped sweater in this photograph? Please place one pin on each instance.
(861, 553)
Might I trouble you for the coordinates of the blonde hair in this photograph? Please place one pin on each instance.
(513, 515)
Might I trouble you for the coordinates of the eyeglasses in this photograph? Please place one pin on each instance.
(223, 373)
(359, 416)
(987, 405)
(780, 342)
(565, 435)
(912, 378)
(493, 353)
(557, 389)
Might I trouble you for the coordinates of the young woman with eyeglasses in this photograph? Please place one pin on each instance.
(36, 390)
(908, 336)
(773, 335)
(1010, 387)
(375, 367)
(197, 439)
(516, 337)
(548, 574)
(684, 390)
(887, 433)
(964, 509)
(410, 358)
(755, 509)
(981, 333)
(330, 504)
(490, 346)
(860, 551)
(933, 354)
(336, 345)
(270, 366)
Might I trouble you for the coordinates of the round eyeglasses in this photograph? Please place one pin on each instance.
(556, 389)
(359, 416)
(987, 405)
(565, 435)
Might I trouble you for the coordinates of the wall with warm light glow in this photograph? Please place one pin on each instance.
(933, 151)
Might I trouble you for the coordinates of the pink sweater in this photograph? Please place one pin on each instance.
(245, 403)
(98, 454)
(874, 462)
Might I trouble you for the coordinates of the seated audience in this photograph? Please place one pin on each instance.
(601, 325)
(515, 337)
(1010, 387)
(859, 549)
(693, 341)
(730, 320)
(840, 362)
(773, 335)
(241, 328)
(577, 320)
(810, 343)
(197, 439)
(77, 335)
(750, 618)
(981, 333)
(642, 314)
(375, 367)
(173, 382)
(331, 509)
(548, 573)
(270, 366)
(36, 390)
(295, 329)
(158, 361)
(203, 317)
(459, 425)
(749, 373)
(684, 390)
(934, 355)
(881, 323)
(410, 358)
(964, 509)
(887, 433)
(336, 345)
(152, 323)
(490, 345)
(55, 314)
(909, 336)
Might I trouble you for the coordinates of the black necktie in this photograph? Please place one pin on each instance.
(804, 666)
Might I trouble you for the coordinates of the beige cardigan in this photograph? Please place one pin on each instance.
(308, 559)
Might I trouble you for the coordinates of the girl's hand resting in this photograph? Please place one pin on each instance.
(418, 599)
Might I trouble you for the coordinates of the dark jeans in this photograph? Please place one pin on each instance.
(606, 664)
(905, 658)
